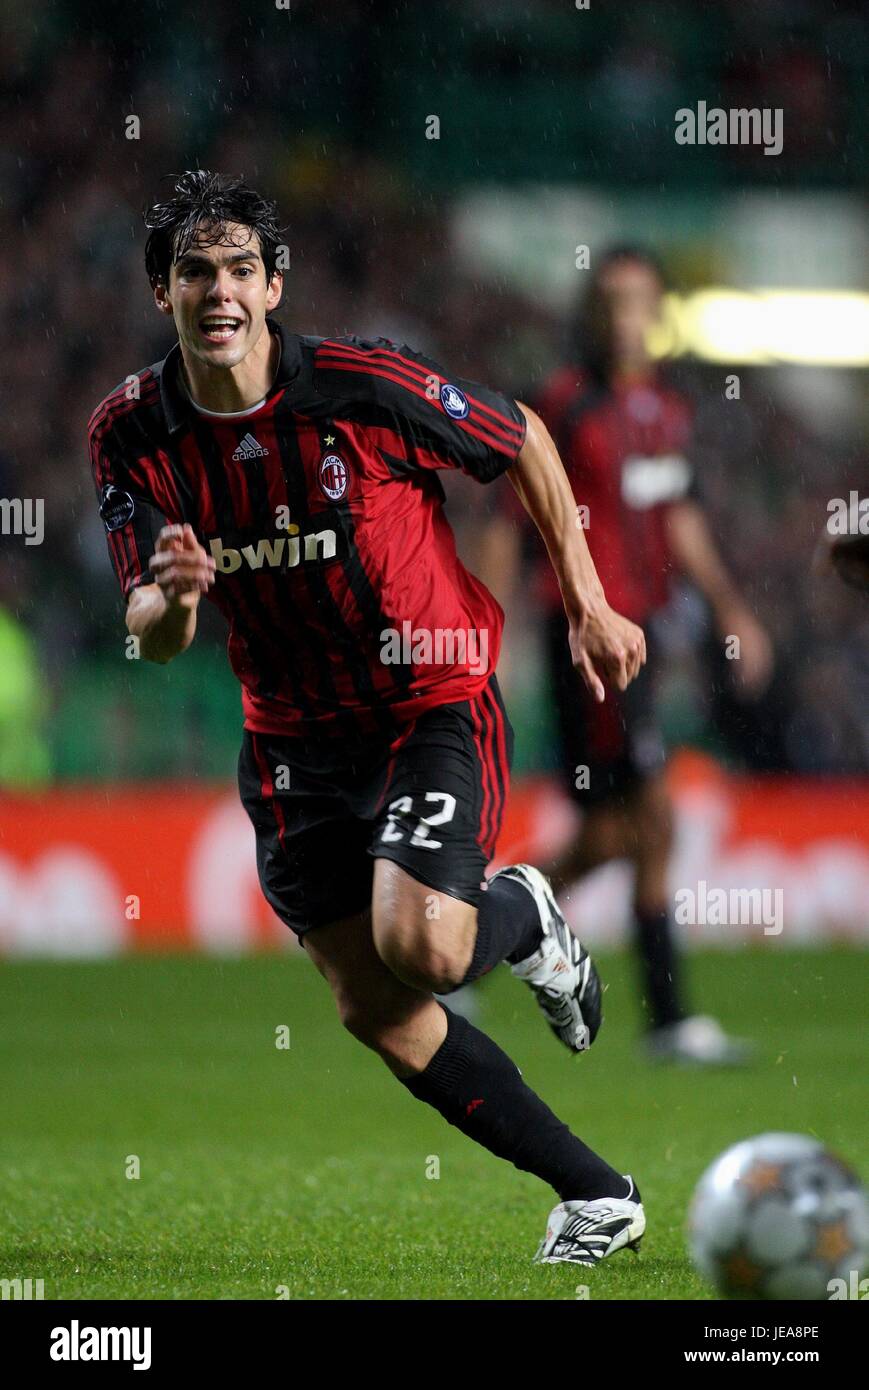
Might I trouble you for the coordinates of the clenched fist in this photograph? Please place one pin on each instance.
(181, 566)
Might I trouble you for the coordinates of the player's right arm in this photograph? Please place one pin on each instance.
(162, 615)
(163, 591)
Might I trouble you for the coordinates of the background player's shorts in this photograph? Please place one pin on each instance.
(619, 742)
(324, 810)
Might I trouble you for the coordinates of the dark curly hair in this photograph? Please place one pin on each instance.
(202, 206)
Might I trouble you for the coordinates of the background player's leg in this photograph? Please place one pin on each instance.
(650, 819)
(601, 837)
(675, 1034)
(638, 828)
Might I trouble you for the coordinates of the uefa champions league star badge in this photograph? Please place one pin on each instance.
(334, 477)
(116, 507)
(454, 401)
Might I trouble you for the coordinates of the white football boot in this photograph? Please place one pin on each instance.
(560, 972)
(584, 1233)
(697, 1041)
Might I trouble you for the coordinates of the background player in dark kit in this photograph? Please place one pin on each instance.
(624, 434)
(293, 480)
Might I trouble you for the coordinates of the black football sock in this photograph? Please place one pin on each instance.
(508, 928)
(658, 951)
(477, 1088)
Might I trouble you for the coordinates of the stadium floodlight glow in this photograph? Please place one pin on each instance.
(825, 328)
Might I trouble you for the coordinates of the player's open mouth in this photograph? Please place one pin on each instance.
(218, 329)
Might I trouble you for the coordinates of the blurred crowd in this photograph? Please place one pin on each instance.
(370, 254)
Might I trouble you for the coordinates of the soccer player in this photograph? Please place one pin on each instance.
(294, 481)
(624, 434)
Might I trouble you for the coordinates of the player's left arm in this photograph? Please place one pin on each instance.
(600, 639)
(695, 552)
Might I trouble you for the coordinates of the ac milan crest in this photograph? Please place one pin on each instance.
(334, 477)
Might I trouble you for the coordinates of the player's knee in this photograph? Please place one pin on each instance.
(359, 1020)
(384, 1025)
(653, 823)
(359, 1013)
(661, 827)
(656, 839)
(421, 956)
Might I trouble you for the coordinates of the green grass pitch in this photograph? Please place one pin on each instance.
(305, 1169)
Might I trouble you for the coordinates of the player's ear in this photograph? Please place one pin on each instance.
(275, 290)
(161, 298)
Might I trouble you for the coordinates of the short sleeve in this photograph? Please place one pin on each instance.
(445, 420)
(131, 519)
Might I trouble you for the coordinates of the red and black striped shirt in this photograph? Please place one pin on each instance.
(325, 516)
(627, 451)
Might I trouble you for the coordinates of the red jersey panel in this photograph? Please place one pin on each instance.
(625, 450)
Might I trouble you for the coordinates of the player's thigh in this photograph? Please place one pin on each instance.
(590, 738)
(607, 751)
(603, 835)
(649, 814)
(434, 834)
(311, 852)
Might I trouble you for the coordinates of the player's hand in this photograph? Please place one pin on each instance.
(603, 643)
(181, 566)
(753, 669)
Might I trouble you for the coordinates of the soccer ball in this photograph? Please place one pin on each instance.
(779, 1217)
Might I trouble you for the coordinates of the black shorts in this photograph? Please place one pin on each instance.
(324, 810)
(605, 751)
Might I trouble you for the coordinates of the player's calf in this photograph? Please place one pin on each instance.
(405, 1039)
(400, 1024)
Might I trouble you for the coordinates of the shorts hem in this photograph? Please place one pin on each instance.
(472, 901)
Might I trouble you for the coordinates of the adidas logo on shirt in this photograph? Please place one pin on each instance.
(249, 449)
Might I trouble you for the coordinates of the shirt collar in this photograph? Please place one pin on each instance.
(177, 408)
